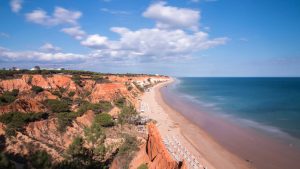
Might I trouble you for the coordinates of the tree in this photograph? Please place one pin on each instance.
(57, 105)
(5, 162)
(40, 159)
(104, 119)
(37, 89)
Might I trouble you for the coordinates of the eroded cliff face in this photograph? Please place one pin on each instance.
(44, 134)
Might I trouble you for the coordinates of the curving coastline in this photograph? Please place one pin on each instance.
(194, 139)
(222, 143)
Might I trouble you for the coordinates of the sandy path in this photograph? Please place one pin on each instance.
(195, 140)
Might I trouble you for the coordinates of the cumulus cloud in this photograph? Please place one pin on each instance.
(95, 41)
(36, 56)
(16, 5)
(173, 17)
(150, 44)
(48, 47)
(76, 32)
(59, 16)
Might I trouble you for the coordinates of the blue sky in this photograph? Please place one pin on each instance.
(175, 37)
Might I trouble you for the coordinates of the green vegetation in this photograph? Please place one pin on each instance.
(121, 102)
(127, 150)
(15, 120)
(129, 88)
(37, 89)
(102, 106)
(57, 105)
(5, 163)
(77, 80)
(100, 79)
(95, 134)
(8, 97)
(143, 166)
(40, 160)
(128, 115)
(57, 93)
(104, 119)
(71, 93)
(78, 156)
(65, 119)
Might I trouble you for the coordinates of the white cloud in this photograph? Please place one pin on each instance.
(95, 41)
(35, 56)
(59, 16)
(151, 44)
(173, 17)
(16, 5)
(48, 47)
(114, 12)
(76, 32)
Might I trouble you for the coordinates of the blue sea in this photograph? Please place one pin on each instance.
(272, 104)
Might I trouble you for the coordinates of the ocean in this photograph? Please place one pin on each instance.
(268, 104)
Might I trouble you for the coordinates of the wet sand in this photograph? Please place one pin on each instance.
(215, 136)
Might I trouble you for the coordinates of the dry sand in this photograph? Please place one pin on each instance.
(171, 123)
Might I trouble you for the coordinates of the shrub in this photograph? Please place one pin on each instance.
(5, 162)
(129, 88)
(40, 159)
(85, 106)
(105, 106)
(95, 134)
(127, 150)
(9, 97)
(65, 119)
(57, 105)
(57, 93)
(127, 115)
(100, 79)
(71, 94)
(77, 80)
(104, 119)
(120, 102)
(143, 166)
(37, 89)
(15, 120)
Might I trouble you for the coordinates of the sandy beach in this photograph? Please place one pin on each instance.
(172, 124)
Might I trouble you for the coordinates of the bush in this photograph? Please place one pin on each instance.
(95, 134)
(37, 89)
(71, 94)
(15, 120)
(5, 162)
(129, 88)
(127, 150)
(100, 79)
(57, 105)
(9, 97)
(120, 102)
(105, 106)
(57, 93)
(127, 115)
(104, 119)
(85, 106)
(40, 159)
(65, 119)
(143, 166)
(77, 80)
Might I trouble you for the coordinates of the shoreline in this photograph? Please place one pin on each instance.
(241, 144)
(200, 144)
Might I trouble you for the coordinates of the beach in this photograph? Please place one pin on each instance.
(172, 124)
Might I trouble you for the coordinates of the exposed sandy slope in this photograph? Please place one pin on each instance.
(200, 144)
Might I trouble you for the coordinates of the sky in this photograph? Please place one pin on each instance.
(215, 38)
